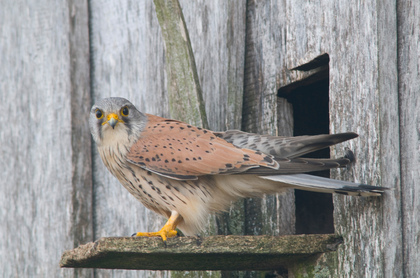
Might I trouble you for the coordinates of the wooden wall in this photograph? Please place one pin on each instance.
(46, 178)
(57, 58)
(408, 33)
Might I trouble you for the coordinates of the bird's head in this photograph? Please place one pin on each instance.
(115, 120)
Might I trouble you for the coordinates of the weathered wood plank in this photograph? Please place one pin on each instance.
(185, 95)
(362, 99)
(195, 253)
(80, 103)
(392, 240)
(80, 100)
(45, 146)
(409, 109)
(264, 70)
(363, 76)
(217, 35)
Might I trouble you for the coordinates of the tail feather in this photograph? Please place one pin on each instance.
(326, 185)
(284, 147)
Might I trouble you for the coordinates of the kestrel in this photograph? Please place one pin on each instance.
(185, 172)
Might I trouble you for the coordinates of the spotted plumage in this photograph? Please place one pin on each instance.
(184, 172)
(193, 152)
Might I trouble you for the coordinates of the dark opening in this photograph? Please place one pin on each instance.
(310, 100)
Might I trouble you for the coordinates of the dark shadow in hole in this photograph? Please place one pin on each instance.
(310, 100)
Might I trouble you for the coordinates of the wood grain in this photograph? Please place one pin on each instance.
(363, 99)
(45, 200)
(409, 130)
(264, 67)
(217, 34)
(184, 89)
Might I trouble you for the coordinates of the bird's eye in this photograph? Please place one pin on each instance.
(99, 114)
(124, 111)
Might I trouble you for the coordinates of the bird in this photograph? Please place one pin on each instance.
(185, 173)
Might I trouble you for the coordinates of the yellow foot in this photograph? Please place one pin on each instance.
(168, 230)
(163, 233)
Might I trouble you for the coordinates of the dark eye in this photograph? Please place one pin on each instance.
(99, 114)
(124, 111)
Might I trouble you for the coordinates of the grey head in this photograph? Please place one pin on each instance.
(116, 118)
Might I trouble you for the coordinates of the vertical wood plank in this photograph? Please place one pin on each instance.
(363, 99)
(185, 94)
(392, 240)
(80, 101)
(217, 34)
(46, 193)
(264, 73)
(409, 97)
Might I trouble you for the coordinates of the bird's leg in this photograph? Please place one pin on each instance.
(168, 229)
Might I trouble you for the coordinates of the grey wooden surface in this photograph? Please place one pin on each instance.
(409, 130)
(54, 195)
(368, 81)
(45, 196)
(217, 35)
(184, 90)
(264, 67)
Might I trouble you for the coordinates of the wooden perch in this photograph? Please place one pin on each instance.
(195, 253)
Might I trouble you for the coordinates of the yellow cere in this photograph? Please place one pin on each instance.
(112, 115)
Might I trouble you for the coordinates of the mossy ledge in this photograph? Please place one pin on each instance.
(196, 253)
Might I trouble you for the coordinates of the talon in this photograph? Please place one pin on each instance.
(168, 229)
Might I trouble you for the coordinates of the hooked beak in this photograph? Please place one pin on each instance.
(112, 120)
